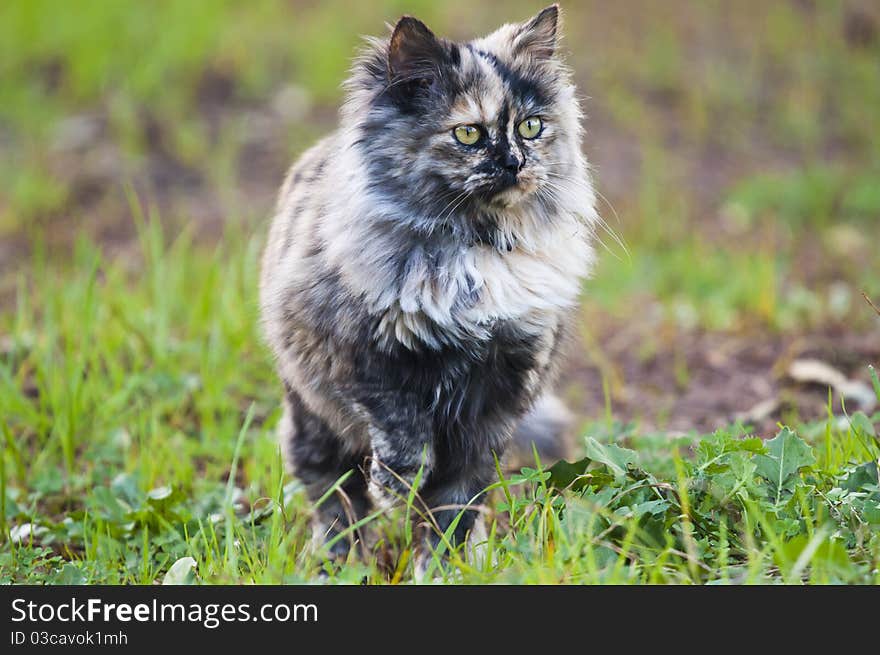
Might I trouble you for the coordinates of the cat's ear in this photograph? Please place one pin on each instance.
(538, 37)
(414, 53)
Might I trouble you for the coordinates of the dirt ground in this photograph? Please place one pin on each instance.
(678, 381)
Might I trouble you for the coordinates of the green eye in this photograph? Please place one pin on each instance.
(530, 127)
(467, 134)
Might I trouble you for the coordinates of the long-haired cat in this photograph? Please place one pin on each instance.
(423, 268)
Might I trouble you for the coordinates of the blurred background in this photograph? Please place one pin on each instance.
(735, 145)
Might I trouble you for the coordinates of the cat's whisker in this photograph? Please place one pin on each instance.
(618, 239)
(458, 199)
(615, 235)
(451, 211)
(552, 189)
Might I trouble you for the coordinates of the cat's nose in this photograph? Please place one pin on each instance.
(510, 163)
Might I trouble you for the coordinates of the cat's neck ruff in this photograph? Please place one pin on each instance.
(431, 291)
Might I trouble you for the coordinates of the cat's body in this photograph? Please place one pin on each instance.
(416, 289)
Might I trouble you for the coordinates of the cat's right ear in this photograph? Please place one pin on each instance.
(539, 37)
(414, 57)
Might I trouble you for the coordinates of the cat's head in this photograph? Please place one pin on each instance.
(468, 133)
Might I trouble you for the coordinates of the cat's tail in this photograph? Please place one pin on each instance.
(547, 429)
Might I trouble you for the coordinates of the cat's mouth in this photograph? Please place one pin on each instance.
(512, 194)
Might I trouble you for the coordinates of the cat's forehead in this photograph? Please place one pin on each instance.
(499, 42)
(492, 82)
(482, 93)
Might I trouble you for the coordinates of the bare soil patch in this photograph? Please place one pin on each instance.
(678, 381)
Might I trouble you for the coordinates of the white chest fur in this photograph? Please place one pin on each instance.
(471, 289)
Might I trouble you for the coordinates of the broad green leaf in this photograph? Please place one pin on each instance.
(653, 507)
(720, 443)
(576, 476)
(861, 476)
(529, 475)
(788, 527)
(871, 512)
(737, 480)
(614, 457)
(751, 444)
(69, 575)
(563, 474)
(786, 455)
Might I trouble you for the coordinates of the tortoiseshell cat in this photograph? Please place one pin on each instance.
(423, 268)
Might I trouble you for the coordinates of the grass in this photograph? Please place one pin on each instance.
(139, 411)
(738, 152)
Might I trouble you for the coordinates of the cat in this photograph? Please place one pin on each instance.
(423, 269)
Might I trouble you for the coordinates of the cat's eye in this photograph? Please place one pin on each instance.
(467, 134)
(530, 127)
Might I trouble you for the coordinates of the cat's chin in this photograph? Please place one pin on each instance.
(511, 196)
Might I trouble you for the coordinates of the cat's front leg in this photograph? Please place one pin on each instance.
(455, 519)
(402, 461)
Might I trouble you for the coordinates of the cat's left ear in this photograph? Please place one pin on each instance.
(413, 51)
(415, 58)
(539, 37)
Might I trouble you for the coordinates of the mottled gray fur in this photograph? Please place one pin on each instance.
(415, 290)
